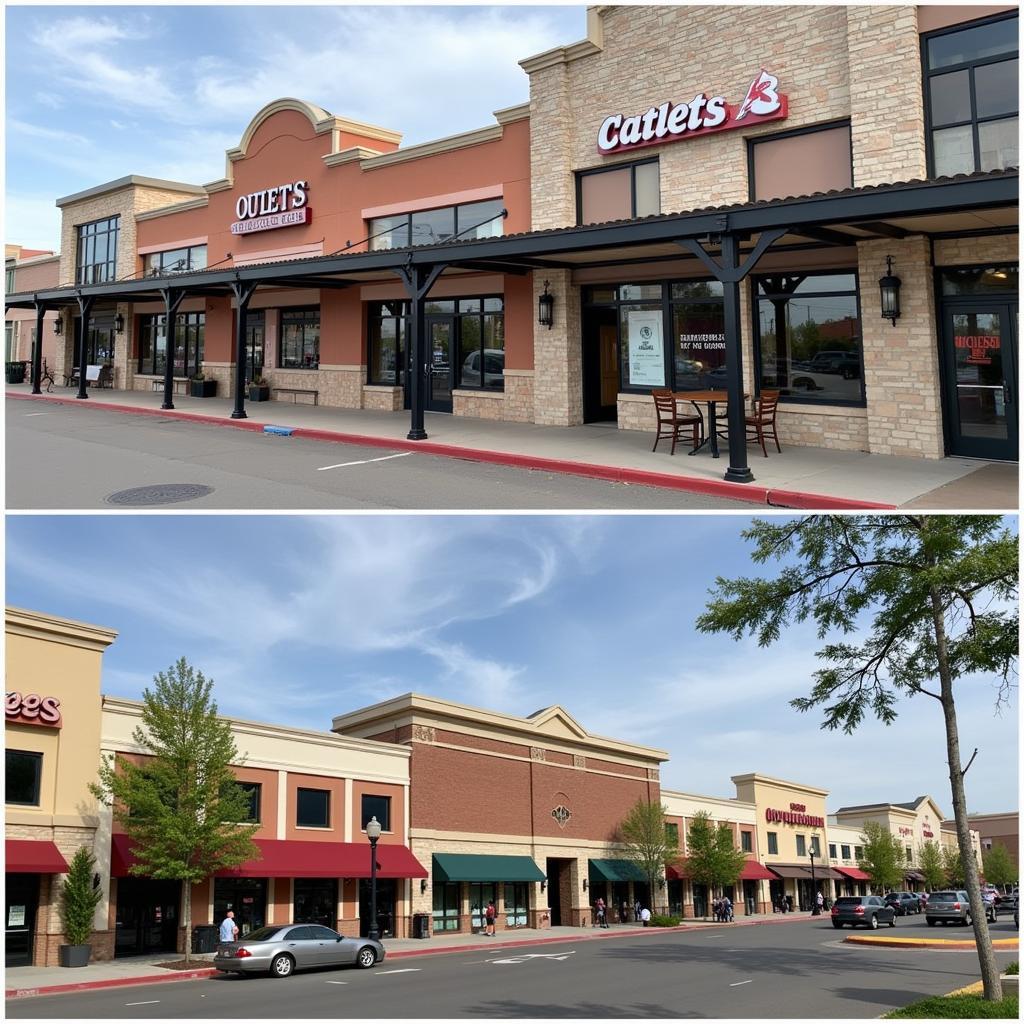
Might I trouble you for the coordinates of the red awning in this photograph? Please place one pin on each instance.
(301, 858)
(673, 874)
(754, 872)
(854, 874)
(33, 856)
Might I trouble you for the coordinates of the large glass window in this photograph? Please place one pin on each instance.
(480, 894)
(316, 901)
(24, 771)
(517, 904)
(846, 851)
(773, 842)
(176, 261)
(621, 192)
(313, 808)
(427, 227)
(300, 339)
(189, 340)
(747, 842)
(445, 907)
(980, 280)
(808, 337)
(971, 97)
(387, 326)
(96, 255)
(255, 331)
(253, 792)
(378, 807)
(481, 331)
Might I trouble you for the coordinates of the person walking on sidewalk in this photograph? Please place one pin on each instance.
(489, 915)
(228, 928)
(601, 913)
(645, 916)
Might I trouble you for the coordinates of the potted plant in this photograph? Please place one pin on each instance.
(259, 389)
(80, 895)
(200, 387)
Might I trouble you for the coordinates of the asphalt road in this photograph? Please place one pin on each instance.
(68, 458)
(798, 969)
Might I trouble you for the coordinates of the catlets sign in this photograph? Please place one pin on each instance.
(31, 709)
(671, 122)
(278, 207)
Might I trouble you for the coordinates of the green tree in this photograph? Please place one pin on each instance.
(932, 600)
(998, 865)
(882, 857)
(179, 807)
(648, 843)
(712, 858)
(79, 898)
(929, 863)
(953, 868)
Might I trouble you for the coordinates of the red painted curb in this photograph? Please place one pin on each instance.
(83, 986)
(645, 478)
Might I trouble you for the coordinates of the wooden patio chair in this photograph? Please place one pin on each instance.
(762, 422)
(671, 422)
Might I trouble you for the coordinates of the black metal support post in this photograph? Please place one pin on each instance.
(815, 909)
(172, 300)
(730, 272)
(418, 281)
(373, 931)
(242, 294)
(85, 308)
(37, 349)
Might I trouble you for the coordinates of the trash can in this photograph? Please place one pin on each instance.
(16, 372)
(421, 926)
(205, 938)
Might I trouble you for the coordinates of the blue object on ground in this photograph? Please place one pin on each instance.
(283, 431)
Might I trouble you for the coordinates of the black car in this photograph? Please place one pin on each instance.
(904, 902)
(869, 911)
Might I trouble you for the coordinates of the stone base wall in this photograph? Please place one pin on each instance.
(382, 398)
(828, 427)
(636, 412)
(484, 405)
(47, 948)
(224, 375)
(340, 386)
(519, 396)
(985, 249)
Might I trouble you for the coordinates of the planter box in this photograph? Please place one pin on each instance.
(203, 388)
(1011, 984)
(74, 956)
(259, 392)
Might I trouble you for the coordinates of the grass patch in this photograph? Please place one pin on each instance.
(664, 921)
(959, 1007)
(1012, 968)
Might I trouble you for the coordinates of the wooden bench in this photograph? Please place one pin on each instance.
(179, 385)
(99, 376)
(295, 392)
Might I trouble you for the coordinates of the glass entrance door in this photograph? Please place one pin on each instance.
(386, 892)
(440, 338)
(980, 341)
(22, 897)
(254, 335)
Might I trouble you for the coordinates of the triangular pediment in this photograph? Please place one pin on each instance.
(556, 721)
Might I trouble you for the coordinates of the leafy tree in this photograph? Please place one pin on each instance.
(648, 843)
(929, 863)
(953, 868)
(882, 857)
(179, 807)
(711, 856)
(79, 898)
(933, 599)
(998, 865)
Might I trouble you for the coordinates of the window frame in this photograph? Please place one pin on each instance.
(385, 822)
(110, 264)
(756, 298)
(409, 214)
(631, 166)
(746, 842)
(773, 843)
(790, 133)
(801, 845)
(182, 322)
(927, 74)
(310, 789)
(845, 850)
(256, 789)
(307, 312)
(481, 317)
(187, 269)
(37, 757)
(402, 322)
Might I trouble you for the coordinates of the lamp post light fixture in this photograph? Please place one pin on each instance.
(58, 324)
(373, 834)
(815, 909)
(546, 308)
(889, 285)
(119, 323)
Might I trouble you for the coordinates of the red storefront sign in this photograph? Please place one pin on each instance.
(980, 345)
(793, 817)
(702, 115)
(31, 709)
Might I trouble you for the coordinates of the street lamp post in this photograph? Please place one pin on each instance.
(815, 909)
(373, 834)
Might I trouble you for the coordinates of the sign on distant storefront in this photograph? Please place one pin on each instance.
(671, 122)
(279, 207)
(31, 709)
(646, 350)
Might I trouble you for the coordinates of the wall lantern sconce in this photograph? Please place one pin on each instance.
(119, 323)
(423, 886)
(58, 324)
(584, 885)
(546, 308)
(890, 289)
(543, 884)
(661, 883)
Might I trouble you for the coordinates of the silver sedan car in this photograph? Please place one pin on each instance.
(280, 949)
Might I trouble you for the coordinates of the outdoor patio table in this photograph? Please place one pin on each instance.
(710, 399)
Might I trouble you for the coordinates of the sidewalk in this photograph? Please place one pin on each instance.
(23, 982)
(801, 477)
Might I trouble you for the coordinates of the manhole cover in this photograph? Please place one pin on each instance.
(159, 494)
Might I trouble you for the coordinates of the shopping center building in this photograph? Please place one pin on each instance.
(475, 805)
(694, 197)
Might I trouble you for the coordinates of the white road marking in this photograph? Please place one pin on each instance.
(365, 462)
(402, 970)
(146, 1002)
(523, 957)
(735, 983)
(26, 417)
(337, 983)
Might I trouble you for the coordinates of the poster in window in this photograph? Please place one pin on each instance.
(646, 349)
(15, 916)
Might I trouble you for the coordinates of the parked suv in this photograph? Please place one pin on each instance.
(904, 902)
(949, 905)
(869, 911)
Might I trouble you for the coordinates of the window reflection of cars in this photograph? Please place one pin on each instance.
(494, 368)
(844, 363)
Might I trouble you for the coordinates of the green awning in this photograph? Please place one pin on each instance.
(615, 871)
(474, 867)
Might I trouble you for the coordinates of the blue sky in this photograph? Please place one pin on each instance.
(299, 618)
(95, 93)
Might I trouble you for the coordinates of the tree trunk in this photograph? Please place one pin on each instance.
(982, 938)
(186, 895)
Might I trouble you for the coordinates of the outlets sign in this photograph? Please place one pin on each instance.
(278, 207)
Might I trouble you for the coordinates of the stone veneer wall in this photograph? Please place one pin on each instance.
(383, 397)
(519, 401)
(981, 250)
(558, 356)
(484, 405)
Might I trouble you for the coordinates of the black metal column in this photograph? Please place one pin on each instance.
(85, 308)
(172, 300)
(418, 281)
(37, 349)
(242, 293)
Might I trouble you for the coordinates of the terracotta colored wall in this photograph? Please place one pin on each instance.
(397, 793)
(930, 18)
(519, 321)
(336, 787)
(268, 798)
(279, 901)
(481, 743)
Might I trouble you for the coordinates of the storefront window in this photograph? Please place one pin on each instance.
(481, 328)
(176, 261)
(808, 337)
(445, 907)
(621, 192)
(313, 808)
(846, 851)
(316, 901)
(24, 770)
(971, 97)
(96, 253)
(979, 280)
(247, 897)
(387, 329)
(427, 227)
(253, 792)
(517, 904)
(747, 842)
(480, 894)
(300, 339)
(378, 807)
(801, 846)
(189, 340)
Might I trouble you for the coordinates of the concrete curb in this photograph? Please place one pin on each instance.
(775, 497)
(914, 943)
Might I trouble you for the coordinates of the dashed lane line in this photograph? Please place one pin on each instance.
(337, 983)
(402, 970)
(734, 984)
(145, 1002)
(365, 462)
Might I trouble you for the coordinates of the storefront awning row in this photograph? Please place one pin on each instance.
(752, 871)
(33, 856)
(615, 871)
(914, 876)
(855, 874)
(481, 867)
(295, 858)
